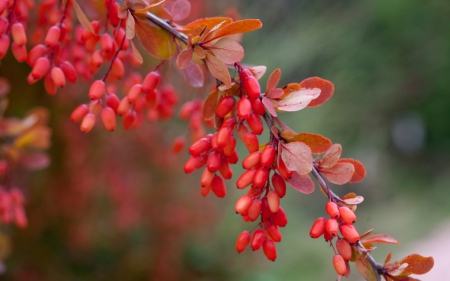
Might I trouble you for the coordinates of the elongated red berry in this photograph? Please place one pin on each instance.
(178, 144)
(18, 34)
(52, 36)
(258, 106)
(332, 227)
(233, 159)
(257, 239)
(223, 136)
(274, 201)
(349, 232)
(214, 162)
(270, 250)
(225, 170)
(339, 265)
(251, 142)
(245, 179)
(69, 71)
(244, 108)
(4, 45)
(124, 106)
(192, 164)
(206, 177)
(252, 87)
(97, 90)
(260, 178)
(230, 146)
(106, 43)
(40, 68)
(344, 248)
(88, 122)
(218, 187)
(255, 209)
(255, 123)
(35, 53)
(280, 218)
(79, 113)
(58, 77)
(128, 119)
(108, 118)
(279, 185)
(134, 93)
(242, 204)
(267, 156)
(117, 69)
(242, 241)
(251, 160)
(332, 209)
(112, 101)
(318, 228)
(224, 106)
(19, 52)
(274, 232)
(199, 147)
(347, 215)
(49, 85)
(283, 170)
(150, 81)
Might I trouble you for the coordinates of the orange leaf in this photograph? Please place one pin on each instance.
(364, 267)
(130, 27)
(240, 26)
(326, 87)
(273, 80)
(380, 238)
(388, 257)
(184, 58)
(136, 53)
(218, 69)
(155, 40)
(200, 52)
(297, 157)
(82, 18)
(289, 88)
(317, 143)
(365, 234)
(209, 107)
(227, 50)
(304, 183)
(204, 23)
(340, 173)
(331, 156)
(353, 201)
(269, 106)
(360, 170)
(417, 264)
(146, 9)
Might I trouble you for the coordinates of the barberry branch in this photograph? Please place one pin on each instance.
(167, 27)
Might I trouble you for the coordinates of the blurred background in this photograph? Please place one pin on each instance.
(117, 206)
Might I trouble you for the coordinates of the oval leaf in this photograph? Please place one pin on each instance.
(258, 71)
(200, 24)
(364, 267)
(360, 170)
(302, 183)
(227, 50)
(130, 27)
(273, 80)
(297, 157)
(184, 58)
(209, 107)
(317, 143)
(331, 157)
(155, 40)
(180, 10)
(136, 53)
(297, 100)
(339, 174)
(417, 264)
(218, 69)
(325, 86)
(82, 18)
(275, 93)
(194, 75)
(240, 26)
(269, 106)
(380, 238)
(353, 201)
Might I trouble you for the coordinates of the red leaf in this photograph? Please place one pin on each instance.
(184, 58)
(364, 267)
(380, 238)
(273, 80)
(417, 264)
(240, 26)
(331, 157)
(325, 86)
(227, 50)
(340, 173)
(297, 157)
(209, 106)
(360, 170)
(180, 10)
(218, 69)
(317, 143)
(302, 183)
(155, 40)
(269, 106)
(275, 93)
(194, 75)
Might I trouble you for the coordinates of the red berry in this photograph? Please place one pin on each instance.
(224, 106)
(97, 90)
(206, 177)
(128, 119)
(18, 34)
(258, 106)
(49, 85)
(274, 232)
(252, 87)
(35, 53)
(52, 36)
(108, 118)
(134, 93)
(223, 136)
(244, 108)
(251, 142)
(79, 113)
(69, 71)
(347, 215)
(58, 77)
(339, 265)
(199, 147)
(270, 250)
(279, 185)
(192, 164)
(242, 241)
(344, 249)
(251, 160)
(280, 218)
(274, 201)
(4, 45)
(332, 227)
(150, 81)
(230, 146)
(225, 170)
(332, 209)
(257, 239)
(40, 68)
(255, 123)
(124, 106)
(242, 204)
(245, 179)
(214, 162)
(88, 122)
(255, 209)
(318, 228)
(112, 101)
(283, 170)
(106, 43)
(349, 232)
(218, 187)
(19, 52)
(260, 178)
(267, 156)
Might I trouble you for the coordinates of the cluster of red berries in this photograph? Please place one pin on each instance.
(341, 220)
(11, 207)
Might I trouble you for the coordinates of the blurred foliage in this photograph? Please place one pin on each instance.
(387, 59)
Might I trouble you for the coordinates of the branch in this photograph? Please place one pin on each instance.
(167, 27)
